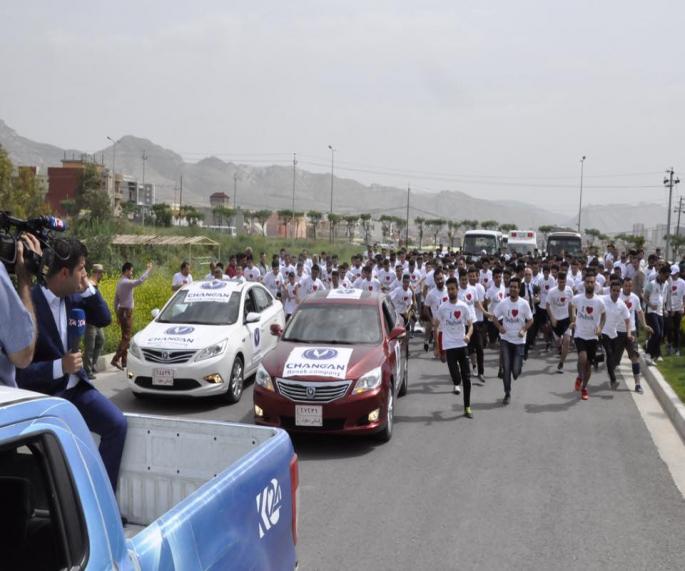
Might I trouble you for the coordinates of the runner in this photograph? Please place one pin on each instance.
(434, 298)
(587, 319)
(654, 296)
(403, 299)
(290, 295)
(632, 302)
(478, 339)
(616, 312)
(454, 328)
(273, 280)
(545, 284)
(312, 283)
(676, 297)
(513, 318)
(251, 272)
(558, 306)
(367, 281)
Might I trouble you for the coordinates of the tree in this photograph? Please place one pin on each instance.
(386, 225)
(420, 221)
(400, 225)
(470, 224)
(222, 213)
(350, 221)
(677, 242)
(162, 214)
(92, 197)
(191, 215)
(545, 230)
(366, 225)
(285, 215)
(594, 235)
(262, 216)
(452, 228)
(489, 224)
(333, 221)
(637, 242)
(506, 228)
(314, 218)
(20, 191)
(435, 225)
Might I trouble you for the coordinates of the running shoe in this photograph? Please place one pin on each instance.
(614, 385)
(584, 394)
(457, 390)
(506, 400)
(500, 374)
(481, 378)
(650, 362)
(638, 389)
(579, 383)
(467, 412)
(425, 347)
(560, 368)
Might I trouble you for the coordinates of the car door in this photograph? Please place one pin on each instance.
(395, 353)
(270, 313)
(253, 331)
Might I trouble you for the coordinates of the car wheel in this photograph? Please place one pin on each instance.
(235, 384)
(405, 379)
(386, 434)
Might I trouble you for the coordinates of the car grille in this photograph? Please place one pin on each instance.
(179, 384)
(313, 392)
(171, 357)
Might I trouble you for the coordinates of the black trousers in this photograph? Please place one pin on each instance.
(476, 345)
(458, 365)
(656, 322)
(672, 327)
(613, 349)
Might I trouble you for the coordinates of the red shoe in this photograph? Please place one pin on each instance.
(584, 394)
(578, 383)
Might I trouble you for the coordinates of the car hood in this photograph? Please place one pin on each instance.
(322, 362)
(179, 336)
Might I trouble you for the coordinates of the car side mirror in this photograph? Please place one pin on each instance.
(154, 313)
(397, 333)
(252, 317)
(276, 329)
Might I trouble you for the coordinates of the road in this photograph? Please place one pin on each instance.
(549, 482)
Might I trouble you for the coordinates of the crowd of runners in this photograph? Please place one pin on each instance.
(595, 305)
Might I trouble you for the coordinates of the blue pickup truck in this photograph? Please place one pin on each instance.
(192, 494)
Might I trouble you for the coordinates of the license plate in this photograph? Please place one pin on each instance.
(163, 377)
(308, 415)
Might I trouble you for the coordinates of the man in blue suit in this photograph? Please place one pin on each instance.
(58, 372)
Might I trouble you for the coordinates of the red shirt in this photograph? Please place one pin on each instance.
(231, 271)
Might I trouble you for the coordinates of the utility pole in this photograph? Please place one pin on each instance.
(293, 234)
(669, 181)
(580, 203)
(114, 163)
(180, 199)
(235, 190)
(331, 210)
(679, 210)
(406, 231)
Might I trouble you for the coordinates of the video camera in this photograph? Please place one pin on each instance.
(43, 228)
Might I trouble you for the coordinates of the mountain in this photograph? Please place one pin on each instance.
(271, 187)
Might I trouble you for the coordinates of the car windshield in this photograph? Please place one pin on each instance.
(334, 323)
(203, 312)
(476, 244)
(522, 248)
(570, 244)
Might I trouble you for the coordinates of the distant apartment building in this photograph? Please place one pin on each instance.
(219, 200)
(64, 181)
(638, 229)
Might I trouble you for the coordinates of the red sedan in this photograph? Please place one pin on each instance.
(339, 366)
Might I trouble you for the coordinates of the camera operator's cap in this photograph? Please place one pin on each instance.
(675, 269)
(98, 268)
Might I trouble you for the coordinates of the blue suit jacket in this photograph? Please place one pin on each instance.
(38, 375)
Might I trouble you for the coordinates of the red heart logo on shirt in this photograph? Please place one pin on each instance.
(562, 299)
(629, 304)
(485, 281)
(588, 309)
(674, 288)
(370, 288)
(468, 296)
(387, 278)
(514, 312)
(315, 287)
(406, 298)
(500, 295)
(457, 314)
(546, 287)
(444, 298)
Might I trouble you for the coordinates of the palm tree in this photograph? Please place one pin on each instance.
(436, 226)
(470, 224)
(420, 221)
(546, 229)
(386, 225)
(489, 224)
(506, 228)
(314, 218)
(593, 233)
(452, 228)
(366, 225)
(333, 221)
(285, 215)
(262, 216)
(350, 221)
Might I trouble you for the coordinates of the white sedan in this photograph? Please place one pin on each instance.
(207, 339)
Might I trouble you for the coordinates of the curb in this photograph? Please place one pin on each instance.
(672, 405)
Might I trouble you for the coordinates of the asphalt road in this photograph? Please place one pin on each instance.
(549, 482)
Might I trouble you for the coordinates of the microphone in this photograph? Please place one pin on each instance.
(76, 329)
(49, 222)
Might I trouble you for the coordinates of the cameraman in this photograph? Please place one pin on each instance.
(17, 319)
(57, 371)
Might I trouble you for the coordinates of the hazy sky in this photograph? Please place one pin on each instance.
(498, 99)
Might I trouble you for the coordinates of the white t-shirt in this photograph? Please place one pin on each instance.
(415, 278)
(546, 284)
(480, 296)
(429, 280)
(369, 285)
(273, 282)
(435, 298)
(290, 303)
(676, 295)
(513, 315)
(402, 299)
(454, 321)
(632, 302)
(575, 281)
(655, 293)
(180, 280)
(310, 286)
(252, 274)
(588, 316)
(495, 296)
(617, 312)
(558, 302)
(469, 295)
(485, 278)
(386, 278)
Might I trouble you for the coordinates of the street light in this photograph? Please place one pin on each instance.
(330, 226)
(669, 181)
(580, 204)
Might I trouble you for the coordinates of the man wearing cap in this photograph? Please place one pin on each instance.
(95, 337)
(675, 305)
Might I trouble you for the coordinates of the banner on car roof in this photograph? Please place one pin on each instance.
(318, 361)
(344, 293)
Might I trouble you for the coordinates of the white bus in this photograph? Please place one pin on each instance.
(482, 242)
(522, 242)
(569, 243)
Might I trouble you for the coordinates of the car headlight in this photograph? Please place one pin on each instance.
(369, 381)
(213, 350)
(135, 350)
(263, 379)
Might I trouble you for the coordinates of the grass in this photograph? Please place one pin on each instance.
(673, 370)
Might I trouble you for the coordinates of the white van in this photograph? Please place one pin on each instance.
(522, 242)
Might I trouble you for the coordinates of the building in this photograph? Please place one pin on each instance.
(638, 229)
(219, 200)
